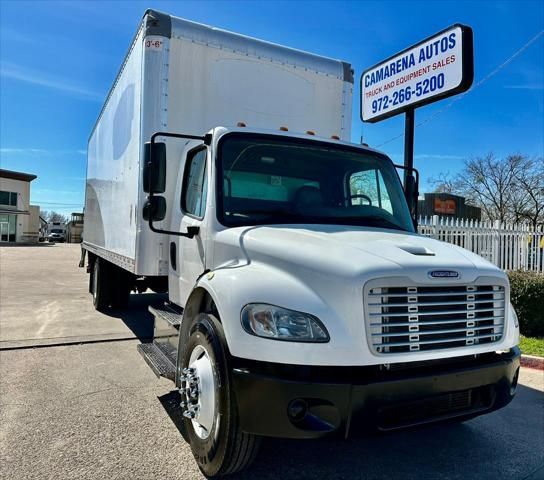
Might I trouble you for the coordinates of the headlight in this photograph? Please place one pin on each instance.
(269, 321)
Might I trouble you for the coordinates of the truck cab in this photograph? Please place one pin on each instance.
(298, 256)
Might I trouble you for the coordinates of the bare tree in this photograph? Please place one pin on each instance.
(510, 189)
(52, 216)
(530, 185)
(490, 183)
(445, 183)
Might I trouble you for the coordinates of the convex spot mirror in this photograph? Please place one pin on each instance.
(154, 177)
(155, 207)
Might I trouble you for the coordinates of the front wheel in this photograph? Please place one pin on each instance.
(210, 411)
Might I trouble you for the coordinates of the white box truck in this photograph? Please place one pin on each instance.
(56, 232)
(301, 300)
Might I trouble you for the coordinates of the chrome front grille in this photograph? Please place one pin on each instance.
(413, 319)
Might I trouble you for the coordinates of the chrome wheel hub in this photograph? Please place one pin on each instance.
(198, 392)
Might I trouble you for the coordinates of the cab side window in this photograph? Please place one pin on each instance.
(368, 188)
(193, 197)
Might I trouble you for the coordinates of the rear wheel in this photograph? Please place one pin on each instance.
(121, 288)
(109, 284)
(211, 414)
(100, 284)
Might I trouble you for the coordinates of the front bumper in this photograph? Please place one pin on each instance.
(310, 402)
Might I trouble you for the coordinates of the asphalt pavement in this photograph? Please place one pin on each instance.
(78, 402)
(44, 300)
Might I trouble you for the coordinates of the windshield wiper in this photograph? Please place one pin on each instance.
(299, 218)
(278, 217)
(380, 221)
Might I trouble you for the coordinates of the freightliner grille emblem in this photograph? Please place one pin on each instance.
(444, 274)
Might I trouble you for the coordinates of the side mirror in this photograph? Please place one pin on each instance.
(155, 208)
(192, 231)
(411, 192)
(154, 177)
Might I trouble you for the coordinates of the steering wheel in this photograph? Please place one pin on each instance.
(361, 195)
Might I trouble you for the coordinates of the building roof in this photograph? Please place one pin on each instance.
(25, 177)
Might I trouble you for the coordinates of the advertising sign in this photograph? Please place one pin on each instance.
(447, 207)
(436, 68)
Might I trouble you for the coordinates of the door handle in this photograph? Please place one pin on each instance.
(173, 255)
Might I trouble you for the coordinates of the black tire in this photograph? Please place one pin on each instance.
(91, 274)
(100, 284)
(227, 449)
(109, 284)
(121, 287)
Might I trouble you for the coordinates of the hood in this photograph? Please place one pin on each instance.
(353, 251)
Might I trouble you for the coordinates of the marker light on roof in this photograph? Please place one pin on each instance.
(310, 132)
(284, 129)
(335, 137)
(241, 124)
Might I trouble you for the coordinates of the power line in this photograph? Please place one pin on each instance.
(474, 87)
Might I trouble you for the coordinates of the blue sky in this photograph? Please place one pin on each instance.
(58, 60)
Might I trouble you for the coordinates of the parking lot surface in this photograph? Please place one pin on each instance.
(45, 300)
(83, 404)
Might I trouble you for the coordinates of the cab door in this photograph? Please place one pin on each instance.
(187, 255)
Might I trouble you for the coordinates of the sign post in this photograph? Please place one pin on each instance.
(436, 68)
(409, 127)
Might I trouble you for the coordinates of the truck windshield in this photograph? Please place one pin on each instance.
(276, 180)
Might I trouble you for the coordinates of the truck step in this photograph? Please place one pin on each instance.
(160, 357)
(168, 315)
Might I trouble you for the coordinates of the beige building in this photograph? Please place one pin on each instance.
(19, 221)
(74, 228)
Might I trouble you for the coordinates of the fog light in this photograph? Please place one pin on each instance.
(297, 410)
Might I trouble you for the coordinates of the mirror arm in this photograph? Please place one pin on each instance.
(207, 139)
(192, 231)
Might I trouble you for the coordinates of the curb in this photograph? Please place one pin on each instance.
(532, 362)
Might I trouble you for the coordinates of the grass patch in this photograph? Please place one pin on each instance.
(532, 346)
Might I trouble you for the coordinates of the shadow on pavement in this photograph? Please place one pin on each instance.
(507, 444)
(490, 446)
(136, 316)
(170, 402)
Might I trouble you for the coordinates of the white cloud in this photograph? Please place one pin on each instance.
(436, 156)
(55, 191)
(23, 74)
(23, 150)
(439, 156)
(39, 151)
(527, 86)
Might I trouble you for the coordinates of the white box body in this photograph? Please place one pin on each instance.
(183, 77)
